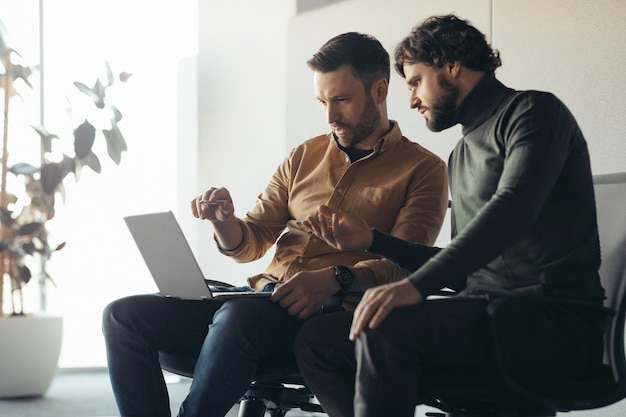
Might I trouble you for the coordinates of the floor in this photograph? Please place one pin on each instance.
(87, 393)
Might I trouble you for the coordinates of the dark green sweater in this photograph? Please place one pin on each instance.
(523, 206)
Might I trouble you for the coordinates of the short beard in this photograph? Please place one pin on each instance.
(366, 124)
(442, 112)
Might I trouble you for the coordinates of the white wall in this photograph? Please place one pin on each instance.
(256, 98)
(241, 99)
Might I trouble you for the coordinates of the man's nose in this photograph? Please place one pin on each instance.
(332, 115)
(414, 100)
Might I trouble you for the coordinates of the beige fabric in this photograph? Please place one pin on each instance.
(400, 188)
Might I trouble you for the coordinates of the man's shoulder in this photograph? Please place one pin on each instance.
(313, 146)
(318, 141)
(409, 148)
(533, 99)
(414, 149)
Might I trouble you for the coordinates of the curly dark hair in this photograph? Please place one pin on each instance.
(441, 39)
(364, 53)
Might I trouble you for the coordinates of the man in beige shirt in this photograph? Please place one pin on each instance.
(364, 165)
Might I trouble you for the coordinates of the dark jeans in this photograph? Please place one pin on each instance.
(380, 374)
(231, 337)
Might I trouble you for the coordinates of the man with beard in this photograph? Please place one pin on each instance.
(523, 223)
(363, 166)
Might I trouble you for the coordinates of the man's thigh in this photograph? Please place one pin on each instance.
(168, 324)
(456, 333)
(442, 333)
(267, 326)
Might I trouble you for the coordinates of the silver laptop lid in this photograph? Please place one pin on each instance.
(168, 256)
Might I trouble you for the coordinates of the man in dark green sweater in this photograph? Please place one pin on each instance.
(523, 222)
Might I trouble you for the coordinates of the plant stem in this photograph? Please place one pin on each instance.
(6, 83)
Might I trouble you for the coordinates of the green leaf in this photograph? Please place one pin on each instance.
(87, 91)
(116, 144)
(110, 78)
(25, 274)
(46, 138)
(84, 136)
(22, 168)
(117, 115)
(92, 162)
(51, 176)
(29, 229)
(19, 71)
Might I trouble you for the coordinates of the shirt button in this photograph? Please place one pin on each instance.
(314, 240)
(300, 260)
(347, 159)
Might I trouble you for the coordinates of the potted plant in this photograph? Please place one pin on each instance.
(28, 197)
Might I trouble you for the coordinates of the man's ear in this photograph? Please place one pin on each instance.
(379, 90)
(453, 68)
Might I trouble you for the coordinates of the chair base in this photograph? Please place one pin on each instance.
(277, 399)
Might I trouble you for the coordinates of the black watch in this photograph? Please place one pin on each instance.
(344, 277)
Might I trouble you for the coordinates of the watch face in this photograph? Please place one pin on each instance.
(344, 277)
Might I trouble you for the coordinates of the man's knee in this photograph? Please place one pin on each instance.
(114, 313)
(325, 338)
(250, 321)
(127, 312)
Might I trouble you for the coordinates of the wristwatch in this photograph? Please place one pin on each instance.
(344, 277)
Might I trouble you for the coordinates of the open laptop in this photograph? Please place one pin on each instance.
(170, 260)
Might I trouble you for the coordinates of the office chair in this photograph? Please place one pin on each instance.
(459, 394)
(278, 385)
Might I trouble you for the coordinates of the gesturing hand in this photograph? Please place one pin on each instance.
(340, 230)
(378, 302)
(215, 205)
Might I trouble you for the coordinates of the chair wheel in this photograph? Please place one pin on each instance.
(251, 407)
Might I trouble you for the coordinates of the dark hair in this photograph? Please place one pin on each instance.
(364, 53)
(441, 39)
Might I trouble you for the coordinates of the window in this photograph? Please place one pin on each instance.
(148, 39)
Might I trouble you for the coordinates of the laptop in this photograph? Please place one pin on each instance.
(170, 260)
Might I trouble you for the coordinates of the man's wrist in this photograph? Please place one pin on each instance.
(344, 278)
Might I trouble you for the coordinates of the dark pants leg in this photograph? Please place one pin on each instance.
(385, 382)
(231, 337)
(135, 329)
(437, 335)
(243, 332)
(326, 360)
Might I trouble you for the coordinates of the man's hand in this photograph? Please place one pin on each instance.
(215, 205)
(340, 230)
(306, 291)
(378, 302)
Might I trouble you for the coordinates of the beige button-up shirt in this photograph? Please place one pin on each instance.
(400, 188)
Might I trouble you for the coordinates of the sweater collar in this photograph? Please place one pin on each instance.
(481, 102)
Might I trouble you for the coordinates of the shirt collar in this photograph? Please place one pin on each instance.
(392, 136)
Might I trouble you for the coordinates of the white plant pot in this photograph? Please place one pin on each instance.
(29, 354)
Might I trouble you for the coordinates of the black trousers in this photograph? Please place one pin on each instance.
(380, 373)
